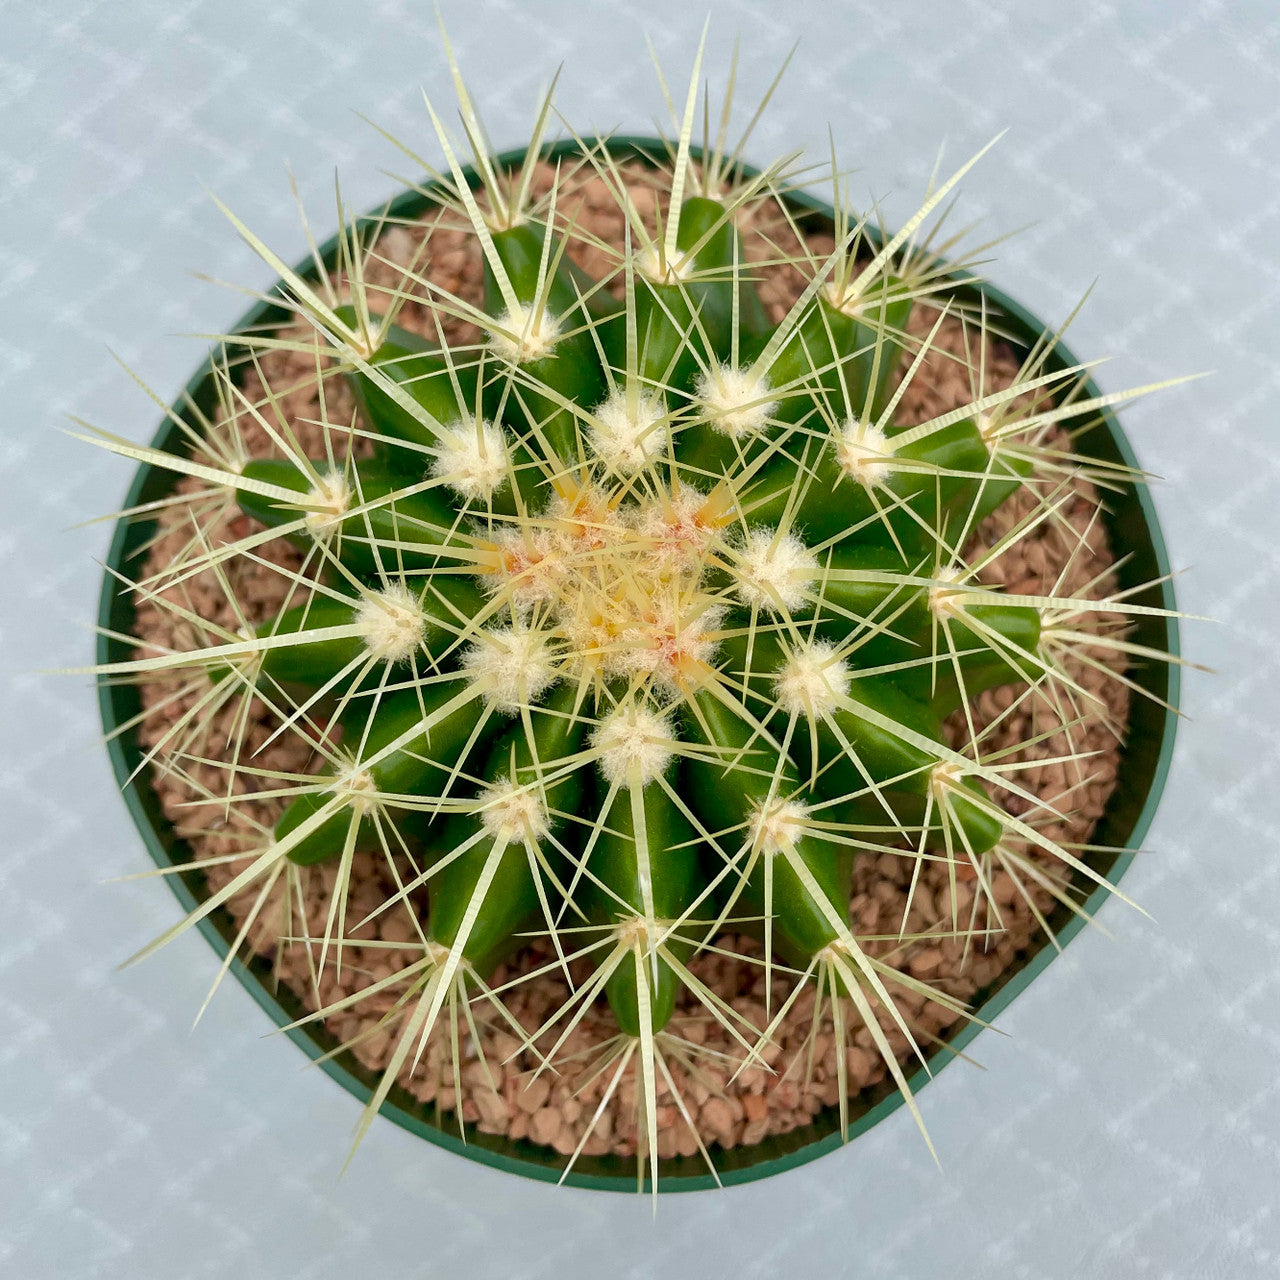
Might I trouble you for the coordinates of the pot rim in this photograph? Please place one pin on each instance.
(1145, 760)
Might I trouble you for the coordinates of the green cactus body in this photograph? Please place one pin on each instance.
(444, 391)
(546, 334)
(487, 886)
(662, 879)
(749, 791)
(421, 761)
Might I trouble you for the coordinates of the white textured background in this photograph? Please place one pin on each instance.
(1130, 1126)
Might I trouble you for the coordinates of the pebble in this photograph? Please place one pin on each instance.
(492, 1109)
(533, 1095)
(860, 1065)
(565, 1141)
(717, 1119)
(544, 1125)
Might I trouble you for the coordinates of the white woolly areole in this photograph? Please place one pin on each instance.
(523, 336)
(472, 459)
(329, 500)
(855, 299)
(356, 786)
(864, 453)
(946, 600)
(514, 663)
(392, 623)
(650, 264)
(638, 931)
(812, 682)
(627, 437)
(735, 401)
(513, 813)
(633, 736)
(777, 826)
(945, 776)
(842, 297)
(772, 572)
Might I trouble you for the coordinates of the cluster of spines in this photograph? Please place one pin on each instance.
(643, 617)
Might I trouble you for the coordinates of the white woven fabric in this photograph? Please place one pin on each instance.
(1129, 1126)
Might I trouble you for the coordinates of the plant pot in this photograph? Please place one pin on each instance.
(1133, 530)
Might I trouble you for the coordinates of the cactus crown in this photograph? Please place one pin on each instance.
(638, 608)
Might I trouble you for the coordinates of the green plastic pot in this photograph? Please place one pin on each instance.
(1133, 529)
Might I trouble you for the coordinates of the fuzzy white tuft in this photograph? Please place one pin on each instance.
(812, 682)
(516, 664)
(650, 264)
(639, 932)
(634, 736)
(735, 401)
(628, 437)
(522, 336)
(776, 827)
(473, 459)
(947, 600)
(392, 623)
(855, 299)
(356, 786)
(513, 813)
(864, 453)
(328, 501)
(772, 572)
(945, 777)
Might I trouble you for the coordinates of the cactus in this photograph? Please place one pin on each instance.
(640, 614)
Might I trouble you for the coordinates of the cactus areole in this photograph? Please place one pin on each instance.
(641, 614)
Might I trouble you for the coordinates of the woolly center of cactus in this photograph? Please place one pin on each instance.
(391, 623)
(618, 587)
